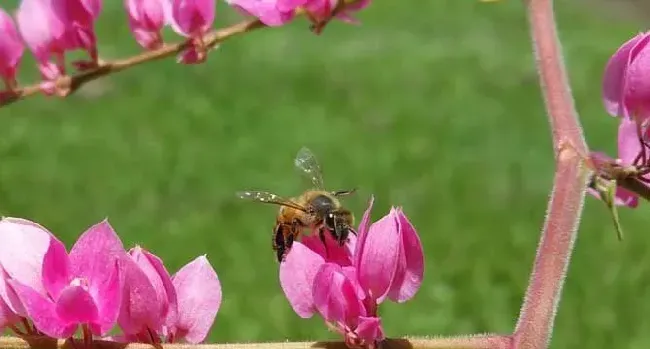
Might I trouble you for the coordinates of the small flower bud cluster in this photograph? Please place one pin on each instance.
(52, 28)
(98, 285)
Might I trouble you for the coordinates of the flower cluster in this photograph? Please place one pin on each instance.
(626, 95)
(346, 284)
(51, 28)
(98, 285)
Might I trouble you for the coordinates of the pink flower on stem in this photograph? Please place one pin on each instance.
(79, 17)
(626, 81)
(193, 19)
(11, 50)
(82, 288)
(149, 298)
(158, 309)
(146, 20)
(44, 32)
(630, 153)
(346, 285)
(270, 12)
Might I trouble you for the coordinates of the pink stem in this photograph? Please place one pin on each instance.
(535, 323)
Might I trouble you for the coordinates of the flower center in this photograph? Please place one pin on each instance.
(81, 282)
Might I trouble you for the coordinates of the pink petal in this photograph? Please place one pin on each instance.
(199, 299)
(146, 14)
(410, 273)
(369, 329)
(141, 307)
(362, 232)
(56, 268)
(7, 316)
(297, 274)
(288, 5)
(335, 253)
(95, 253)
(615, 75)
(379, 257)
(335, 296)
(158, 274)
(23, 247)
(108, 297)
(76, 306)
(629, 144)
(193, 17)
(11, 46)
(42, 311)
(40, 26)
(267, 11)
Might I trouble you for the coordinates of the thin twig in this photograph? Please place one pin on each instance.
(71, 83)
(535, 324)
(467, 342)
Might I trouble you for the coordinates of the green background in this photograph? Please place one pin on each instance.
(431, 105)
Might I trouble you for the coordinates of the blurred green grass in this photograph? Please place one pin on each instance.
(434, 107)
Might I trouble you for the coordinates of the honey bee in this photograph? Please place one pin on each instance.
(316, 209)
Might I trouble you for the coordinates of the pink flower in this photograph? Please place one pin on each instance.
(22, 251)
(81, 288)
(199, 298)
(629, 148)
(146, 20)
(11, 50)
(272, 13)
(346, 284)
(626, 82)
(389, 257)
(149, 298)
(193, 19)
(44, 32)
(79, 18)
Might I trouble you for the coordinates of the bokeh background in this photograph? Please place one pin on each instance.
(431, 105)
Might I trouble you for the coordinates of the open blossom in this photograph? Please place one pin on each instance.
(82, 288)
(629, 148)
(182, 307)
(626, 82)
(146, 20)
(11, 49)
(346, 284)
(193, 19)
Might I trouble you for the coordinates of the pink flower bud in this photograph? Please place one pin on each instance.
(626, 82)
(146, 19)
(11, 50)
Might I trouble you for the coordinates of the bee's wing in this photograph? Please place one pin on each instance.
(308, 165)
(269, 198)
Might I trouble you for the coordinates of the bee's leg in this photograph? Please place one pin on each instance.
(279, 242)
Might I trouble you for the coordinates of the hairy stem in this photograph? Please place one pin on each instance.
(469, 342)
(535, 324)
